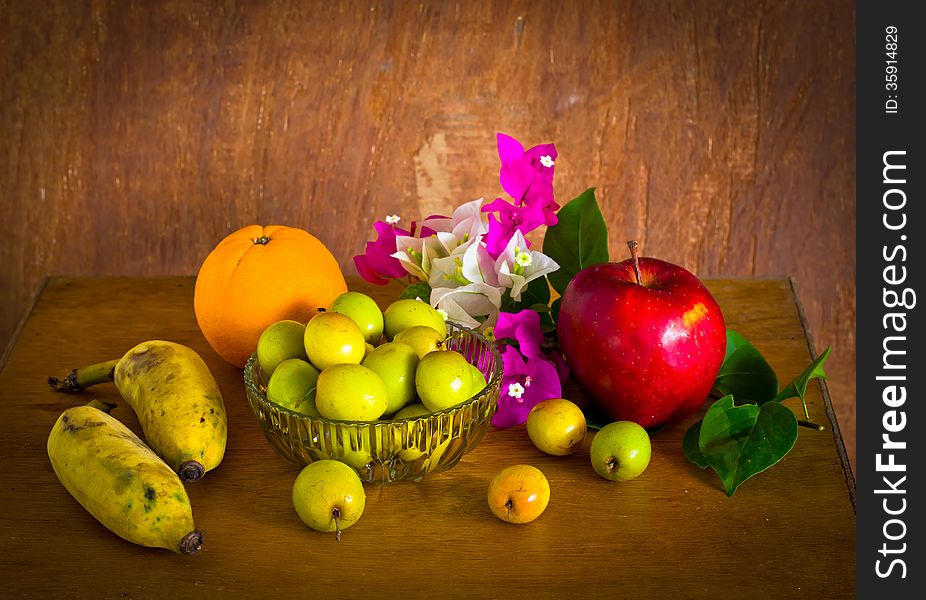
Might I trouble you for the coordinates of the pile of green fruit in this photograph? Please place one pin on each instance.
(354, 362)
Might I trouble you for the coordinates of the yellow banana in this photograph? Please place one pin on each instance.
(120, 481)
(175, 397)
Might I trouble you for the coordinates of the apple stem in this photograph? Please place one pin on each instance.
(611, 463)
(633, 245)
(336, 514)
(508, 505)
(810, 425)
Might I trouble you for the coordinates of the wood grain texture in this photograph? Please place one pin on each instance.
(720, 134)
(671, 533)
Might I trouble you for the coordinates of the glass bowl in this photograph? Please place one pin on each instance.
(387, 450)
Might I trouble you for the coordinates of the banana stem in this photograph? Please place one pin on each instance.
(81, 379)
(102, 406)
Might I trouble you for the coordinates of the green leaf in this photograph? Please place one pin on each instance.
(578, 240)
(734, 341)
(746, 375)
(692, 448)
(741, 441)
(536, 292)
(419, 289)
(798, 387)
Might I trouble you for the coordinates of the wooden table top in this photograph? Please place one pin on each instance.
(789, 532)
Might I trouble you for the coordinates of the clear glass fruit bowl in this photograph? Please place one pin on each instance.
(387, 450)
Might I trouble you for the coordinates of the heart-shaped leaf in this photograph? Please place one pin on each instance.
(734, 342)
(578, 240)
(691, 446)
(741, 441)
(798, 387)
(746, 375)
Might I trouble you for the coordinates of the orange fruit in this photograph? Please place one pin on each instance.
(257, 276)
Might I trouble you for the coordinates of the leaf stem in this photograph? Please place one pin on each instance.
(810, 425)
(633, 245)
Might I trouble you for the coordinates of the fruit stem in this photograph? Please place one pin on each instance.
(262, 240)
(810, 425)
(102, 406)
(632, 244)
(81, 379)
(191, 542)
(336, 514)
(190, 471)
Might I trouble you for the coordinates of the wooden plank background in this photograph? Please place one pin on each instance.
(135, 135)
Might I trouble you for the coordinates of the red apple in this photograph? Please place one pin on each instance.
(642, 349)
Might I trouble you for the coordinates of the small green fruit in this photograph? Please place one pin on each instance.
(620, 451)
(292, 386)
(332, 338)
(412, 411)
(403, 314)
(479, 380)
(328, 496)
(556, 426)
(282, 340)
(422, 338)
(443, 379)
(351, 392)
(395, 363)
(365, 313)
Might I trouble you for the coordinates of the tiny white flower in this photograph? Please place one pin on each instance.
(547, 160)
(393, 219)
(516, 390)
(442, 313)
(523, 259)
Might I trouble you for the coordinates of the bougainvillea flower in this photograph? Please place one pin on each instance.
(508, 219)
(523, 327)
(517, 266)
(478, 264)
(377, 264)
(465, 303)
(522, 171)
(465, 223)
(417, 254)
(525, 383)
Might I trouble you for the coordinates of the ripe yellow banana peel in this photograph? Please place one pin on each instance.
(120, 481)
(175, 397)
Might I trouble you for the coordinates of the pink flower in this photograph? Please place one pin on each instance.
(523, 327)
(377, 265)
(528, 176)
(525, 383)
(529, 377)
(511, 218)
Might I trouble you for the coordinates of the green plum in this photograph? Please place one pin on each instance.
(364, 311)
(328, 496)
(412, 411)
(479, 380)
(356, 444)
(332, 338)
(351, 392)
(443, 379)
(422, 338)
(395, 363)
(620, 451)
(292, 386)
(403, 314)
(282, 340)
